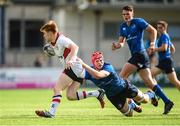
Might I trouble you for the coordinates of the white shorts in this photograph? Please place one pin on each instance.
(78, 69)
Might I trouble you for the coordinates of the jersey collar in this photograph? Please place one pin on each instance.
(57, 36)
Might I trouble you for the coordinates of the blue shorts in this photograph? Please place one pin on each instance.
(140, 60)
(119, 99)
(166, 65)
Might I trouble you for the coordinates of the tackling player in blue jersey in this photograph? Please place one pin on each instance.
(132, 31)
(165, 49)
(117, 90)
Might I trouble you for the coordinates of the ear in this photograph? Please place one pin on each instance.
(133, 14)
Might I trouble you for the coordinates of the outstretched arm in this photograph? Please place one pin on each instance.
(96, 74)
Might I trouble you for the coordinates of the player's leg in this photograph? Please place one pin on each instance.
(127, 70)
(146, 97)
(123, 105)
(155, 71)
(127, 109)
(74, 94)
(173, 79)
(148, 80)
(129, 106)
(63, 82)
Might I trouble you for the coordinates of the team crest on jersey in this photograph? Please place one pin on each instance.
(123, 28)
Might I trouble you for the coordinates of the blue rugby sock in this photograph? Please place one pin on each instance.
(132, 104)
(151, 94)
(158, 91)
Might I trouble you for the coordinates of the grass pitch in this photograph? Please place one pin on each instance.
(17, 108)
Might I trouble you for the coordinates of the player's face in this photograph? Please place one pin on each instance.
(160, 28)
(98, 63)
(48, 36)
(127, 15)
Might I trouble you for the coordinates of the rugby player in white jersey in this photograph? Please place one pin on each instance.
(72, 76)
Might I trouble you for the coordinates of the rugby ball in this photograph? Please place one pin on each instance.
(48, 50)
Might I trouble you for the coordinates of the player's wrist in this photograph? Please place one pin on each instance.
(118, 45)
(152, 43)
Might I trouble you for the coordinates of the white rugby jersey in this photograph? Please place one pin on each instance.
(62, 52)
(61, 47)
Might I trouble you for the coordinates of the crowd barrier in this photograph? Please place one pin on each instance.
(28, 77)
(13, 78)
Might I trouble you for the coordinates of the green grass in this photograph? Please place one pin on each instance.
(17, 108)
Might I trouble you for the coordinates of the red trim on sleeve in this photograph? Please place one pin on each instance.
(66, 52)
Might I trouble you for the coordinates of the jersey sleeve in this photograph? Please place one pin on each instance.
(142, 23)
(65, 42)
(121, 31)
(164, 39)
(109, 68)
(87, 75)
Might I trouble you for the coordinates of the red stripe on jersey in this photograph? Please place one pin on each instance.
(66, 52)
(56, 100)
(84, 94)
(57, 36)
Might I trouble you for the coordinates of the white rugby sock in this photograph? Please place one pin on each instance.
(55, 102)
(85, 94)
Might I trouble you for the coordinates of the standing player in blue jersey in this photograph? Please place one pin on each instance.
(117, 90)
(165, 49)
(132, 31)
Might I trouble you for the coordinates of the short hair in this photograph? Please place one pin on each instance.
(128, 8)
(163, 23)
(50, 26)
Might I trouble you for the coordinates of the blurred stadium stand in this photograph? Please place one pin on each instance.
(92, 24)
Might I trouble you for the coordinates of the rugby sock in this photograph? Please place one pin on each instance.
(132, 104)
(150, 94)
(55, 102)
(85, 94)
(158, 91)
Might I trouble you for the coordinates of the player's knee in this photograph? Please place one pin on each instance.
(142, 98)
(70, 96)
(128, 113)
(126, 110)
(123, 76)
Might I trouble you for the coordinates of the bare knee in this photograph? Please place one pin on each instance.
(128, 113)
(71, 96)
(124, 76)
(141, 98)
(126, 110)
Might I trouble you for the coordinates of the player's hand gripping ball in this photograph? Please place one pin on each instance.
(48, 50)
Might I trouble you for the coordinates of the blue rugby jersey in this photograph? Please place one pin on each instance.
(134, 34)
(164, 39)
(112, 84)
